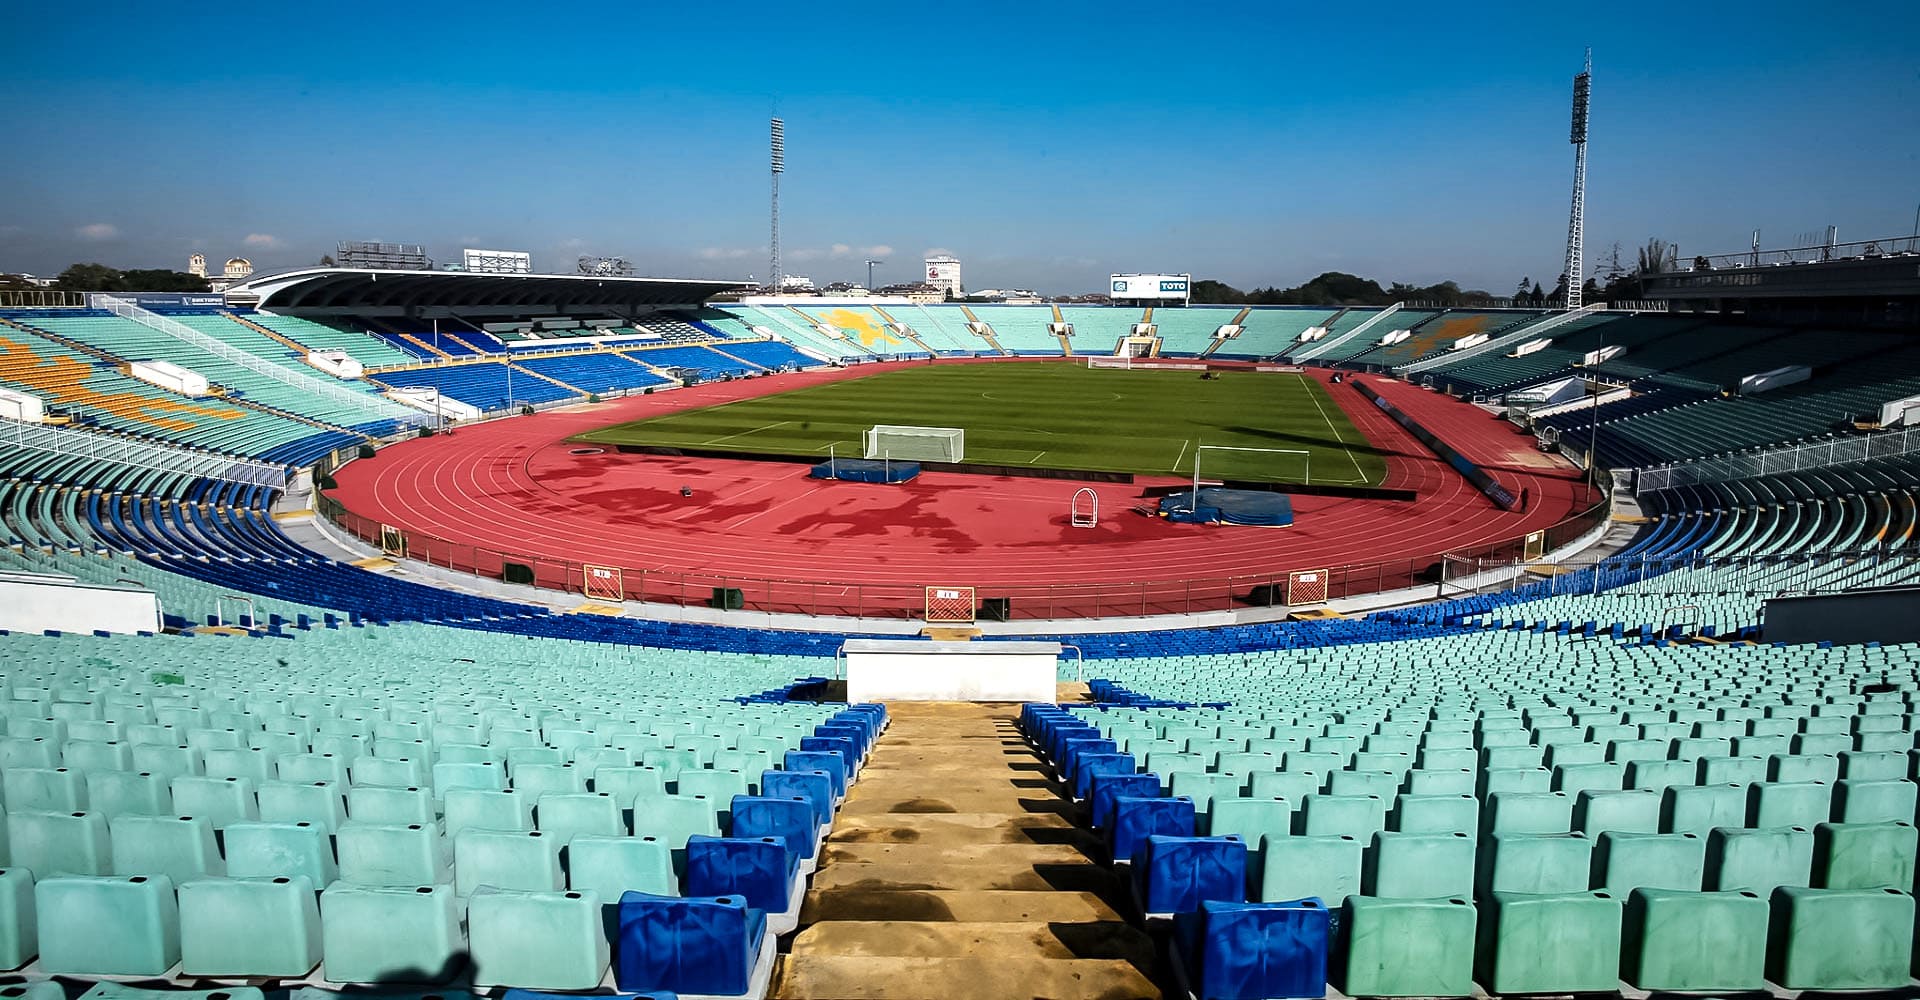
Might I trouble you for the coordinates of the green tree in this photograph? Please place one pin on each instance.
(93, 277)
(162, 280)
(326, 260)
(1217, 292)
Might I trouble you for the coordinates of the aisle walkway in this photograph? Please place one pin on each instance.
(954, 869)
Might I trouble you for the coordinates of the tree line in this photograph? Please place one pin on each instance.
(95, 277)
(1612, 282)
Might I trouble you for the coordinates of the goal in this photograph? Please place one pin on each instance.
(1108, 361)
(907, 443)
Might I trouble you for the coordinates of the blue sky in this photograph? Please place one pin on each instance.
(1044, 144)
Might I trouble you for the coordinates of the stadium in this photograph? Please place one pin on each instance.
(377, 629)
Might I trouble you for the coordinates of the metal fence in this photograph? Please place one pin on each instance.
(1773, 461)
(1694, 577)
(1191, 595)
(138, 454)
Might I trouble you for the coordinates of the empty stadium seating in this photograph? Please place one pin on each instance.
(390, 779)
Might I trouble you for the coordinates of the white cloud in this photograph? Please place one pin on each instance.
(878, 250)
(724, 253)
(98, 231)
(937, 252)
(572, 243)
(263, 241)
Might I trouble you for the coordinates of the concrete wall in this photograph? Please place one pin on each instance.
(34, 603)
(21, 406)
(1882, 614)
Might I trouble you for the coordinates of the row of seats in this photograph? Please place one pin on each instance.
(230, 823)
(1609, 900)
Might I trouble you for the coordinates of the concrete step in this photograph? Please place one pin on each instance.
(1093, 939)
(945, 801)
(958, 828)
(955, 854)
(1073, 876)
(822, 977)
(948, 905)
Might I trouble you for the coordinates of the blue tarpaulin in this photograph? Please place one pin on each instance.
(1219, 505)
(866, 470)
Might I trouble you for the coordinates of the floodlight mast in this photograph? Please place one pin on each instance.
(778, 149)
(1576, 235)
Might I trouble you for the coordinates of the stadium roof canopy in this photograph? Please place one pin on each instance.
(370, 291)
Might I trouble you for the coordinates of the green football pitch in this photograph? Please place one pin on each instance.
(1050, 415)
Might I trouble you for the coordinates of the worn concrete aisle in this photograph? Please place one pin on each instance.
(955, 870)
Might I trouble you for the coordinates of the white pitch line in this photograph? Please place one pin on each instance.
(1184, 442)
(1036, 458)
(1315, 396)
(756, 430)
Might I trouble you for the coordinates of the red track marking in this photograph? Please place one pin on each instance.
(515, 486)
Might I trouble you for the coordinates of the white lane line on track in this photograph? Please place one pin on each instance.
(1184, 442)
(735, 525)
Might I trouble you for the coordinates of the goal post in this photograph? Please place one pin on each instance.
(910, 443)
(1305, 457)
(1110, 361)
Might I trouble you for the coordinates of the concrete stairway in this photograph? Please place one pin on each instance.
(955, 869)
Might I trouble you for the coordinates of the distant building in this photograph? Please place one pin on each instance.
(796, 283)
(236, 270)
(916, 292)
(944, 273)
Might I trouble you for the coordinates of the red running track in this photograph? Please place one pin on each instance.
(516, 490)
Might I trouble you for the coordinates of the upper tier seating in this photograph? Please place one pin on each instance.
(483, 384)
(597, 372)
(126, 339)
(1021, 330)
(1270, 332)
(1188, 332)
(370, 351)
(941, 328)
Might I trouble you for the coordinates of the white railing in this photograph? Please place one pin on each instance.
(372, 405)
(134, 453)
(1772, 461)
(1525, 331)
(1325, 344)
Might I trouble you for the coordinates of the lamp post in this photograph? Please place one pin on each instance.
(1593, 412)
(870, 265)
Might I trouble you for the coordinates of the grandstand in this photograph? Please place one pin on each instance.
(413, 779)
(1021, 330)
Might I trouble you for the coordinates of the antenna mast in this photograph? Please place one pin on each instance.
(1576, 235)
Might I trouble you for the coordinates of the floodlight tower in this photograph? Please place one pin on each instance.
(870, 266)
(779, 150)
(1576, 236)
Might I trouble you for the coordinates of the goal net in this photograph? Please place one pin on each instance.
(1108, 361)
(905, 443)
